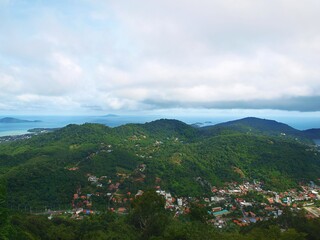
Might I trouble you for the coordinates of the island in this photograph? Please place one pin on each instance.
(111, 115)
(16, 120)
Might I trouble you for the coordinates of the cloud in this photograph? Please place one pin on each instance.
(124, 55)
(92, 107)
(301, 104)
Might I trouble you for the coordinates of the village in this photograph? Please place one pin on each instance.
(12, 138)
(235, 203)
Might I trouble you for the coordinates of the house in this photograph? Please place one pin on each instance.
(139, 193)
(87, 211)
(270, 200)
(79, 210)
(252, 214)
(122, 210)
(220, 213)
(235, 191)
(73, 169)
(216, 209)
(92, 179)
(269, 208)
(217, 199)
(246, 204)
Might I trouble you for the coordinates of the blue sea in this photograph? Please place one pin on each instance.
(7, 129)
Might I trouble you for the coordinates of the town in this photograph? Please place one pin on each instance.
(235, 203)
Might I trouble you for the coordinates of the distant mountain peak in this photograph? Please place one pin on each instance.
(254, 121)
(267, 127)
(167, 122)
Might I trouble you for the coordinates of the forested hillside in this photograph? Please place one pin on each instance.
(104, 168)
(47, 169)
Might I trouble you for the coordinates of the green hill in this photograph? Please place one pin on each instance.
(252, 125)
(313, 133)
(48, 169)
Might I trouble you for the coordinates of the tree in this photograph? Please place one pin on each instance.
(148, 214)
(198, 213)
(3, 212)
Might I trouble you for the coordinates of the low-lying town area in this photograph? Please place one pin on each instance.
(235, 203)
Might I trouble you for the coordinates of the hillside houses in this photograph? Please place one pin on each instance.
(234, 203)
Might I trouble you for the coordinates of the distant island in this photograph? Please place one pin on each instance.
(202, 124)
(111, 115)
(16, 120)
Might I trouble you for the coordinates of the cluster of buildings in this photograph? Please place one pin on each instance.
(243, 204)
(12, 138)
(236, 203)
(239, 204)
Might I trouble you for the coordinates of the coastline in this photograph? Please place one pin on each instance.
(13, 133)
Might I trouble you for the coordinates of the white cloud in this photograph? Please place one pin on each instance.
(129, 55)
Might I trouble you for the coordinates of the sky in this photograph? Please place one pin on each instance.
(104, 56)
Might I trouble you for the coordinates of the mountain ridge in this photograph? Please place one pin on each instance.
(267, 127)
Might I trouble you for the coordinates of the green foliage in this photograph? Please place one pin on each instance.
(252, 125)
(110, 226)
(198, 213)
(148, 214)
(254, 196)
(4, 227)
(36, 170)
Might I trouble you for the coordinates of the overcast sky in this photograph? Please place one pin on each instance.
(105, 56)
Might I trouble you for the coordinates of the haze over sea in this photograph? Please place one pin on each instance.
(7, 129)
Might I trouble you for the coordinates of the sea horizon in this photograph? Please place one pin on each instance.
(56, 121)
